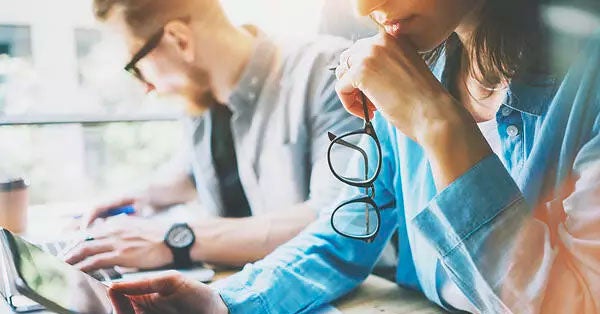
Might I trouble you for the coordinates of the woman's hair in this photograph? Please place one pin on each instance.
(508, 42)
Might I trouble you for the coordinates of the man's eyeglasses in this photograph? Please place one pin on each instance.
(150, 45)
(357, 218)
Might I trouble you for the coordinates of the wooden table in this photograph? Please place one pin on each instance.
(375, 295)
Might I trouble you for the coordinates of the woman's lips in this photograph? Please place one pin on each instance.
(398, 27)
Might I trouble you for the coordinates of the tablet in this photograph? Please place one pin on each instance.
(54, 284)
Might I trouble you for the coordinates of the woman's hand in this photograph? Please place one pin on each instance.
(398, 83)
(169, 294)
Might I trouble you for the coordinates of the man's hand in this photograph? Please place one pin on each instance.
(171, 293)
(93, 215)
(123, 241)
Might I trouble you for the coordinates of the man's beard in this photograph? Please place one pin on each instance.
(200, 97)
(197, 104)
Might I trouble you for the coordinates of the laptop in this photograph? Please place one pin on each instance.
(22, 298)
(48, 281)
(18, 303)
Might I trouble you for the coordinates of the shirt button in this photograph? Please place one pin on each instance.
(252, 96)
(254, 81)
(506, 111)
(512, 130)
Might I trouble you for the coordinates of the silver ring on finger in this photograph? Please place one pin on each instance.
(347, 62)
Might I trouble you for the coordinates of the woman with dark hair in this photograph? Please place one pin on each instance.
(480, 154)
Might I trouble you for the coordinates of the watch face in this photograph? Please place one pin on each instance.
(180, 237)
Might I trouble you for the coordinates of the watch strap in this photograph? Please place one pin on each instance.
(181, 258)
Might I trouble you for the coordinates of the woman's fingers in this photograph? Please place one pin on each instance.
(349, 91)
(351, 73)
(121, 303)
(164, 285)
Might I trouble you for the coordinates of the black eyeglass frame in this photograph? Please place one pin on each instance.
(149, 45)
(368, 183)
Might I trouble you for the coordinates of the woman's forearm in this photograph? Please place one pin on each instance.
(452, 141)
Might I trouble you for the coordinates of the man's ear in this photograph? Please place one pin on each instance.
(181, 36)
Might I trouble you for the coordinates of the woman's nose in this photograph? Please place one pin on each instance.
(365, 7)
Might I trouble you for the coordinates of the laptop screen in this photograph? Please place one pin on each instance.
(65, 287)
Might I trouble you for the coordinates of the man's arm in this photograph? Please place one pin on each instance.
(164, 194)
(237, 241)
(172, 184)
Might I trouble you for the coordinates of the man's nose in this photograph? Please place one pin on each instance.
(149, 87)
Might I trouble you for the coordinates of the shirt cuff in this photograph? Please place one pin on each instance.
(238, 297)
(469, 203)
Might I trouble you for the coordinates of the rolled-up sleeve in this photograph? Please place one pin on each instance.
(507, 256)
(485, 191)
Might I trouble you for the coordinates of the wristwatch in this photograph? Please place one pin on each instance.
(180, 239)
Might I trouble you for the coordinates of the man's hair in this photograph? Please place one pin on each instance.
(145, 16)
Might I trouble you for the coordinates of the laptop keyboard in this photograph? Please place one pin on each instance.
(57, 247)
(54, 248)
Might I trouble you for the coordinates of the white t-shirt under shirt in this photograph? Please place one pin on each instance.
(491, 134)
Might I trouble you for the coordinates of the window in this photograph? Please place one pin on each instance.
(71, 120)
(15, 41)
(76, 162)
(15, 63)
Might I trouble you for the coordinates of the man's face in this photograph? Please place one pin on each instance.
(171, 68)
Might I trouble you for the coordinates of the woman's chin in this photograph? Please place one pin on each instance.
(424, 44)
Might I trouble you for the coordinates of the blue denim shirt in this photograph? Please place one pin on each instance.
(520, 231)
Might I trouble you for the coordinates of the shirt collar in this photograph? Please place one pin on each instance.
(531, 95)
(248, 89)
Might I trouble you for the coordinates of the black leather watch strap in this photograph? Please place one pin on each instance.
(182, 258)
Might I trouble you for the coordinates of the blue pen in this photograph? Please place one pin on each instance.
(127, 210)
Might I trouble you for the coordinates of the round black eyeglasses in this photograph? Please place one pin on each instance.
(358, 218)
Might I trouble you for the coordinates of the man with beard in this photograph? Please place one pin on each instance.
(260, 112)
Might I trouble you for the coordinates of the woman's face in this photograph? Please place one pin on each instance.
(426, 23)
